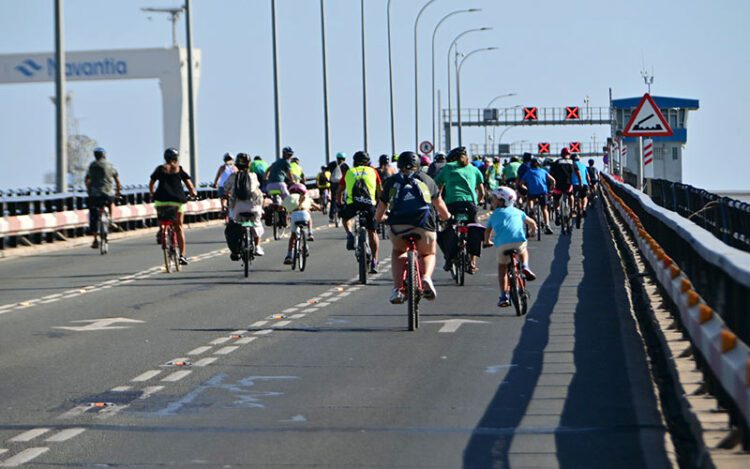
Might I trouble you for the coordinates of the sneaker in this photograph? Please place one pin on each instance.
(349, 242)
(548, 230)
(310, 236)
(397, 297)
(530, 276)
(234, 257)
(374, 266)
(428, 289)
(503, 301)
(557, 219)
(288, 260)
(95, 244)
(183, 260)
(259, 251)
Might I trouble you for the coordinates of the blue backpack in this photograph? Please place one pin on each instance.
(409, 201)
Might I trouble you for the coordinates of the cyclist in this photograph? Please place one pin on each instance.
(243, 194)
(411, 196)
(463, 187)
(385, 170)
(593, 177)
(536, 183)
(507, 222)
(525, 165)
(169, 192)
(323, 182)
(581, 184)
(424, 163)
(259, 167)
(493, 176)
(436, 165)
(225, 170)
(562, 172)
(103, 186)
(297, 173)
(338, 170)
(298, 204)
(280, 172)
(510, 172)
(362, 187)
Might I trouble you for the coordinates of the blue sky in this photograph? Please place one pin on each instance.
(551, 53)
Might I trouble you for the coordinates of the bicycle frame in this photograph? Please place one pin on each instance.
(517, 282)
(411, 282)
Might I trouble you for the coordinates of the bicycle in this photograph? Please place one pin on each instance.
(300, 252)
(167, 216)
(538, 217)
(362, 247)
(411, 282)
(578, 208)
(247, 242)
(565, 212)
(461, 261)
(383, 230)
(325, 200)
(278, 215)
(519, 297)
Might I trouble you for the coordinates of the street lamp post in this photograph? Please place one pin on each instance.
(191, 95)
(364, 77)
(505, 113)
(325, 82)
(276, 102)
(450, 114)
(416, 77)
(458, 84)
(488, 107)
(61, 175)
(390, 82)
(434, 34)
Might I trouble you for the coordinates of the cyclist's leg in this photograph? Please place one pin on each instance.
(427, 249)
(180, 232)
(372, 232)
(93, 203)
(398, 263)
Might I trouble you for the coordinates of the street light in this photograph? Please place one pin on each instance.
(434, 33)
(416, 77)
(450, 48)
(505, 113)
(191, 95)
(364, 77)
(61, 176)
(508, 95)
(390, 82)
(276, 100)
(458, 84)
(325, 82)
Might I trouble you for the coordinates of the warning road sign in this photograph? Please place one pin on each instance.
(647, 120)
(425, 147)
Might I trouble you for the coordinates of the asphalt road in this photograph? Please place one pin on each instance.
(303, 369)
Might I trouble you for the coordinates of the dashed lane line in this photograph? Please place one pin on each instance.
(29, 435)
(65, 435)
(176, 376)
(226, 350)
(145, 376)
(200, 350)
(205, 361)
(23, 457)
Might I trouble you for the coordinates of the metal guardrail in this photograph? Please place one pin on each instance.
(728, 219)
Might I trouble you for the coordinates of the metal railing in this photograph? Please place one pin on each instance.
(726, 218)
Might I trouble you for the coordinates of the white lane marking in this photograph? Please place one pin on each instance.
(345, 293)
(128, 281)
(176, 376)
(310, 310)
(302, 305)
(24, 457)
(99, 324)
(51, 300)
(72, 295)
(74, 412)
(297, 316)
(111, 410)
(239, 332)
(452, 325)
(245, 340)
(220, 340)
(258, 324)
(49, 297)
(263, 331)
(328, 293)
(200, 350)
(29, 435)
(3, 450)
(65, 435)
(226, 350)
(145, 376)
(282, 323)
(122, 388)
(290, 310)
(150, 391)
(323, 304)
(205, 361)
(353, 288)
(335, 298)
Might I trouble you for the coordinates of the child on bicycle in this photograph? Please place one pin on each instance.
(507, 222)
(298, 204)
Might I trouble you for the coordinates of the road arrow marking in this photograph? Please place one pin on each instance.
(452, 325)
(99, 324)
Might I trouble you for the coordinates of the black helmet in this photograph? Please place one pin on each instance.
(227, 157)
(526, 157)
(361, 158)
(171, 154)
(456, 153)
(591, 162)
(99, 152)
(243, 161)
(408, 160)
(287, 151)
(384, 159)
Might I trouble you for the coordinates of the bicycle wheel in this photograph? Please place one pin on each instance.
(362, 255)
(411, 290)
(579, 215)
(175, 251)
(246, 253)
(302, 253)
(463, 263)
(165, 251)
(275, 222)
(538, 220)
(514, 293)
(454, 271)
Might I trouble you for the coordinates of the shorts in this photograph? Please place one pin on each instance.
(349, 211)
(582, 191)
(277, 186)
(300, 216)
(467, 208)
(180, 205)
(429, 237)
(540, 198)
(503, 259)
(558, 191)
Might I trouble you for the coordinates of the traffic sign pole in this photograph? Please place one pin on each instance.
(640, 159)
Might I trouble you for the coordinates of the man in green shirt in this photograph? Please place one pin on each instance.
(510, 171)
(259, 167)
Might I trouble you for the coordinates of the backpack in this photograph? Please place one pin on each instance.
(360, 190)
(243, 186)
(337, 174)
(409, 201)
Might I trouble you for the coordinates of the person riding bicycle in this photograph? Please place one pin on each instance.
(323, 182)
(222, 174)
(536, 182)
(280, 172)
(259, 167)
(298, 204)
(385, 170)
(493, 176)
(243, 194)
(562, 171)
(510, 172)
(169, 192)
(411, 196)
(338, 170)
(462, 186)
(436, 165)
(103, 186)
(507, 223)
(362, 186)
(298, 174)
(581, 184)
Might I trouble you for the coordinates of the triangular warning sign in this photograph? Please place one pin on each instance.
(647, 120)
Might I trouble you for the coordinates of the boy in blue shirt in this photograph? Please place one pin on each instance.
(509, 225)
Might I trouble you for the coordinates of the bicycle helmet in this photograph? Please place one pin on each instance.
(171, 154)
(361, 158)
(297, 188)
(228, 157)
(384, 159)
(424, 160)
(506, 194)
(565, 152)
(408, 160)
(455, 154)
(341, 156)
(440, 156)
(295, 159)
(243, 161)
(526, 157)
(287, 151)
(536, 162)
(99, 152)
(591, 162)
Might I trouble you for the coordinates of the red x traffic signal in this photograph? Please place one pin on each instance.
(573, 113)
(529, 114)
(575, 147)
(543, 148)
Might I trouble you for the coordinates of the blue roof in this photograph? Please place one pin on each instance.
(663, 102)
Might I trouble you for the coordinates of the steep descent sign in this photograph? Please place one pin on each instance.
(647, 120)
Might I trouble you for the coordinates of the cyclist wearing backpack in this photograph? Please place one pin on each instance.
(338, 170)
(411, 196)
(361, 185)
(243, 194)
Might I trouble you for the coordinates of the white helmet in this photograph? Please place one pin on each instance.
(506, 194)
